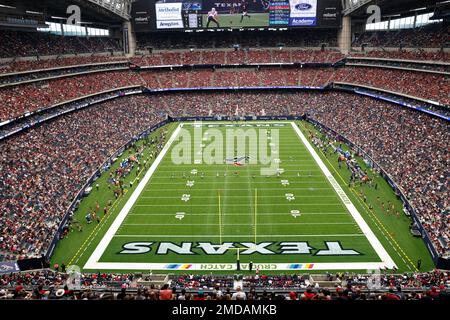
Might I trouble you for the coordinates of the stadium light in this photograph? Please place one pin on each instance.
(418, 9)
(6, 6)
(33, 12)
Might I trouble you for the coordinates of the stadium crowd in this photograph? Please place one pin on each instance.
(64, 108)
(416, 55)
(244, 77)
(25, 44)
(244, 56)
(417, 162)
(398, 157)
(218, 57)
(51, 285)
(424, 85)
(44, 168)
(418, 84)
(434, 35)
(64, 61)
(29, 77)
(20, 99)
(265, 39)
(397, 64)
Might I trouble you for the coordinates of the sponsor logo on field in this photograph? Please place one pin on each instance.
(301, 266)
(177, 266)
(244, 266)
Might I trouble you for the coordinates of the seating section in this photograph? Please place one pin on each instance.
(429, 36)
(50, 285)
(418, 55)
(239, 57)
(20, 99)
(418, 84)
(250, 39)
(44, 168)
(24, 44)
(37, 64)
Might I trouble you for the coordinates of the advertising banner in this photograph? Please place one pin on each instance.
(168, 15)
(303, 13)
(8, 267)
(168, 11)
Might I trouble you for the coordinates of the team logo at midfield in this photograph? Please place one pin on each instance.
(235, 146)
(331, 248)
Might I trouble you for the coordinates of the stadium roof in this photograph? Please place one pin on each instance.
(357, 8)
(99, 13)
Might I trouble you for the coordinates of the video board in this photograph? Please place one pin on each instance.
(164, 15)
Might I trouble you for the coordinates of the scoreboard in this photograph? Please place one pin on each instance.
(192, 15)
(279, 13)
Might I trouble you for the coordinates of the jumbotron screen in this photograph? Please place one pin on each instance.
(196, 15)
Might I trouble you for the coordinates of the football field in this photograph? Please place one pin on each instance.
(219, 192)
(234, 20)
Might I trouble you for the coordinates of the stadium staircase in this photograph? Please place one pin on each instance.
(323, 281)
(155, 279)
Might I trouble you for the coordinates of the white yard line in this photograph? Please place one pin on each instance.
(242, 214)
(242, 189)
(230, 124)
(234, 236)
(230, 196)
(239, 205)
(254, 182)
(373, 240)
(181, 224)
(109, 235)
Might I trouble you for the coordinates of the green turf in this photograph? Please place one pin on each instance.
(234, 20)
(248, 201)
